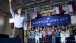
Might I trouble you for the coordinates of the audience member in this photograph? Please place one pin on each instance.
(49, 35)
(62, 35)
(59, 34)
(37, 36)
(53, 36)
(44, 36)
(40, 36)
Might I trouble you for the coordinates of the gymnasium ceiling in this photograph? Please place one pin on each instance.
(27, 5)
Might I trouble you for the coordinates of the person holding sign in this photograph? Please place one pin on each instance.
(19, 22)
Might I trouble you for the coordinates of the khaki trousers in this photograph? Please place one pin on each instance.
(19, 33)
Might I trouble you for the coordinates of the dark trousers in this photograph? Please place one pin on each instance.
(44, 40)
(19, 33)
(40, 39)
(29, 40)
(57, 39)
(72, 39)
(68, 39)
(33, 40)
(49, 38)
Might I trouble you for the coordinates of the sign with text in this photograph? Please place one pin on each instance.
(51, 21)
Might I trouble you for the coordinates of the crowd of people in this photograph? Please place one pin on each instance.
(54, 34)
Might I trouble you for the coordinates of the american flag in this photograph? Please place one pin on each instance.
(58, 9)
(72, 6)
(34, 13)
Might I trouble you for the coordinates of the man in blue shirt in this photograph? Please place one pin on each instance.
(40, 36)
(19, 23)
(49, 35)
(33, 36)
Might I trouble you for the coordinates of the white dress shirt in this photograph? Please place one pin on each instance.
(67, 34)
(19, 21)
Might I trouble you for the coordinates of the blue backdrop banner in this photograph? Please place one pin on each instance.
(51, 21)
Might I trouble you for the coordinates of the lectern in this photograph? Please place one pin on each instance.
(4, 36)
